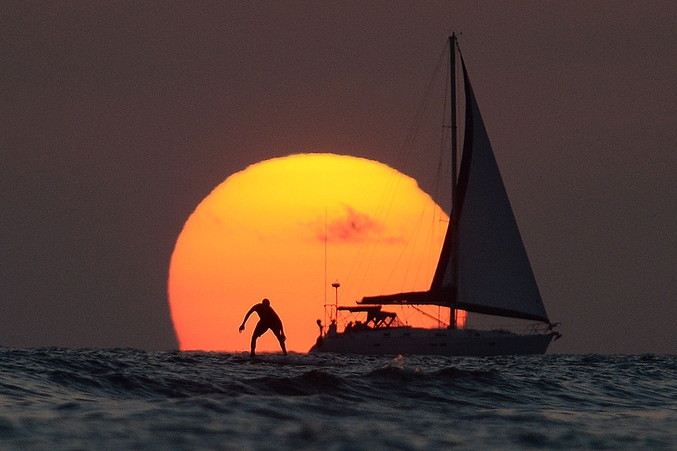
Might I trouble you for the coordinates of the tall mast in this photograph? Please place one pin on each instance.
(454, 150)
(454, 188)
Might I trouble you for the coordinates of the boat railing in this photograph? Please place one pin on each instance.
(539, 328)
(362, 318)
(529, 329)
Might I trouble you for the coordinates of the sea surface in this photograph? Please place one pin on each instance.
(125, 399)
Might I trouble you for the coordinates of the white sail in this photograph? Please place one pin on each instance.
(494, 274)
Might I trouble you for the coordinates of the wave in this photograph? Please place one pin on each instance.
(131, 399)
(593, 382)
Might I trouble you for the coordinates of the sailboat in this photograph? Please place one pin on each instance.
(483, 267)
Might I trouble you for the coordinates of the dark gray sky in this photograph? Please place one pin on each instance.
(117, 119)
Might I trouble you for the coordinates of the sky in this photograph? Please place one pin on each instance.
(117, 119)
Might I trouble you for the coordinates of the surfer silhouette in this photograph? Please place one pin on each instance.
(268, 319)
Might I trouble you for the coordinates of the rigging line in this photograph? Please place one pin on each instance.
(385, 204)
(368, 245)
(443, 149)
(409, 248)
(437, 319)
(412, 133)
(401, 161)
(367, 248)
(433, 317)
(437, 188)
(421, 261)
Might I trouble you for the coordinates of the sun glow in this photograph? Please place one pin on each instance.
(284, 229)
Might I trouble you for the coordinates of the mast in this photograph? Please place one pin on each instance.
(490, 272)
(454, 182)
(454, 150)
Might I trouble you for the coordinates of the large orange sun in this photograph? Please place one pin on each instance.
(286, 229)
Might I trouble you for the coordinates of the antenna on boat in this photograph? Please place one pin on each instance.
(336, 286)
(326, 238)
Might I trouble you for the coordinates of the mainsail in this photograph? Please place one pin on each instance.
(483, 265)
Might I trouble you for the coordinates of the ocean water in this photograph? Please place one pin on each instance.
(123, 399)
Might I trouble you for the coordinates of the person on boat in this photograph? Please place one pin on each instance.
(320, 338)
(268, 319)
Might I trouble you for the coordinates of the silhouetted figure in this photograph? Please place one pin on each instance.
(268, 319)
(320, 338)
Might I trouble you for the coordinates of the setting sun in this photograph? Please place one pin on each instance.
(286, 228)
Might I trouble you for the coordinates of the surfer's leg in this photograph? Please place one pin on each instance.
(281, 338)
(252, 353)
(258, 331)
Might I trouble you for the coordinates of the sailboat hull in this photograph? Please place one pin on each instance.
(445, 342)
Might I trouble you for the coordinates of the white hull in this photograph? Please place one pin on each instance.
(445, 342)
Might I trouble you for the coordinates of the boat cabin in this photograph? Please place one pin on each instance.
(376, 319)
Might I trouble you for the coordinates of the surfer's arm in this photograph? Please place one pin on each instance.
(246, 317)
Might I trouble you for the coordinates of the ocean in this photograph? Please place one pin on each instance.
(126, 399)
